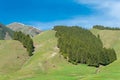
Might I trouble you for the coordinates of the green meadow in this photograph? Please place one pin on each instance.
(48, 64)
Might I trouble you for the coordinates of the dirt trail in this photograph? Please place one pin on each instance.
(98, 69)
(53, 54)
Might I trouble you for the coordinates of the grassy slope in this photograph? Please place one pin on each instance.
(110, 39)
(48, 64)
(12, 57)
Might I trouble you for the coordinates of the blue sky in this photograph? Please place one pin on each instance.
(44, 14)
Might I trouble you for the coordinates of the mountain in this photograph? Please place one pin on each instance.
(24, 28)
(5, 33)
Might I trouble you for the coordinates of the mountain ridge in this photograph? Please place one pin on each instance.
(5, 33)
(26, 29)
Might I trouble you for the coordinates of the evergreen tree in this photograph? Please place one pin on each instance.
(25, 40)
(81, 46)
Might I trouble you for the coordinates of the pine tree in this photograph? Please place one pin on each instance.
(81, 46)
(25, 40)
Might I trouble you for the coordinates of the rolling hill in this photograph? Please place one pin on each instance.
(48, 64)
(24, 28)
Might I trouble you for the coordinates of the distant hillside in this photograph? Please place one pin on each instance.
(24, 28)
(5, 33)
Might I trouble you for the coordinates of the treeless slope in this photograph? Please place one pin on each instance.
(12, 56)
(110, 39)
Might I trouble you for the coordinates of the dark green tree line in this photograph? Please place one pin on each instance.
(25, 40)
(79, 45)
(105, 28)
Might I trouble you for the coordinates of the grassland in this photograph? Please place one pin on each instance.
(12, 54)
(12, 57)
(48, 64)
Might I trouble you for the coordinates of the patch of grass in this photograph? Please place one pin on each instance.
(12, 56)
(67, 72)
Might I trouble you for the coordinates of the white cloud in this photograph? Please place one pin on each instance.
(108, 15)
(86, 22)
(108, 7)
